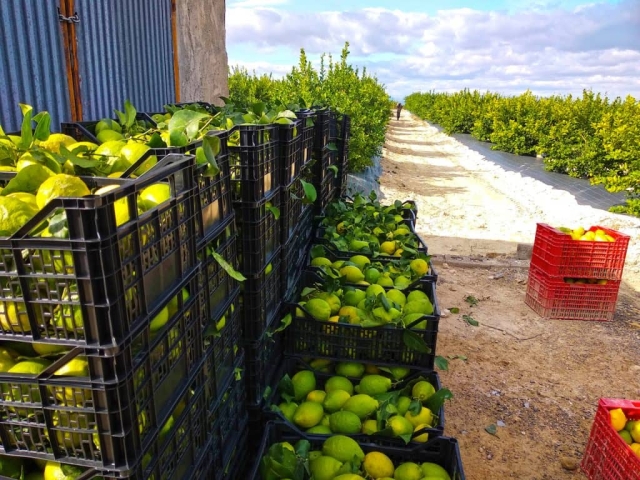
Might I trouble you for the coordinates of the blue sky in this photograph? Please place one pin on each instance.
(547, 46)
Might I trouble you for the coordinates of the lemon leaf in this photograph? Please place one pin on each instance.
(310, 193)
(454, 310)
(415, 342)
(491, 429)
(275, 211)
(26, 133)
(27, 180)
(156, 141)
(210, 145)
(284, 323)
(43, 126)
(436, 401)
(233, 273)
(470, 320)
(82, 162)
(442, 363)
(186, 122)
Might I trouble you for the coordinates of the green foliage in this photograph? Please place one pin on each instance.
(587, 137)
(337, 84)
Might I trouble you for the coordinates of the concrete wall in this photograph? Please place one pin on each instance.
(202, 51)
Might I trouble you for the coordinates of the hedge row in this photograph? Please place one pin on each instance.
(339, 85)
(590, 136)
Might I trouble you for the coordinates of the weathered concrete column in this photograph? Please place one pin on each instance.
(202, 50)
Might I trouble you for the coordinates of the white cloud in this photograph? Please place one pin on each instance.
(545, 48)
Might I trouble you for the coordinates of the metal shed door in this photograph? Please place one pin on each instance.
(125, 52)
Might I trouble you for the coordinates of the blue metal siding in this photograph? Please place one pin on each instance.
(125, 52)
(32, 64)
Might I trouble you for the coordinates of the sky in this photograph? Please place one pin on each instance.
(506, 46)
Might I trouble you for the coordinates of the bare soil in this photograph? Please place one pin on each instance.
(537, 381)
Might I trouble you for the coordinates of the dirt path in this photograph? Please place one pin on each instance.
(537, 380)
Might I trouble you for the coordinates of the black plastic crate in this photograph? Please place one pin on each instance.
(334, 255)
(108, 418)
(216, 283)
(222, 340)
(326, 192)
(318, 169)
(308, 131)
(294, 255)
(253, 161)
(261, 299)
(291, 152)
(321, 129)
(386, 345)
(292, 209)
(227, 419)
(259, 234)
(239, 460)
(339, 126)
(262, 360)
(99, 285)
(443, 451)
(291, 365)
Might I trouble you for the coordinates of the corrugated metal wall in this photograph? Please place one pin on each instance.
(32, 64)
(125, 52)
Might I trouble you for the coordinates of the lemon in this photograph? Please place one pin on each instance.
(425, 416)
(374, 385)
(401, 282)
(422, 390)
(337, 264)
(350, 369)
(14, 214)
(160, 320)
(69, 421)
(174, 304)
(342, 448)
(361, 261)
(48, 349)
(313, 454)
(352, 274)
(120, 206)
(55, 140)
(317, 396)
(154, 195)
(348, 476)
(388, 247)
(408, 471)
(351, 313)
(334, 400)
(54, 471)
(33, 366)
(319, 430)
(107, 124)
(636, 448)
(396, 296)
(321, 364)
(324, 467)
(108, 135)
(377, 465)
(6, 363)
(403, 405)
(372, 275)
(385, 281)
(626, 436)
(321, 262)
(419, 267)
(423, 437)
(308, 414)
(339, 383)
(418, 306)
(27, 198)
(303, 382)
(635, 432)
(334, 319)
(361, 404)
(332, 299)
(370, 426)
(345, 422)
(374, 290)
(630, 425)
(417, 295)
(398, 253)
(618, 419)
(61, 185)
(80, 148)
(14, 317)
(318, 309)
(399, 373)
(353, 297)
(400, 425)
(434, 470)
(76, 367)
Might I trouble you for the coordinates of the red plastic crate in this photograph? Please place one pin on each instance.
(557, 254)
(607, 456)
(552, 298)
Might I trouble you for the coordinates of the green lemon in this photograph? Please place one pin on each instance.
(408, 471)
(353, 297)
(435, 471)
(374, 290)
(385, 281)
(396, 296)
(316, 396)
(423, 390)
(361, 404)
(400, 426)
(345, 422)
(14, 214)
(334, 400)
(370, 426)
(107, 124)
(288, 409)
(342, 448)
(417, 295)
(378, 465)
(324, 468)
(308, 414)
(55, 140)
(352, 274)
(372, 275)
(320, 262)
(401, 282)
(424, 417)
(61, 185)
(332, 299)
(303, 382)
(155, 194)
(108, 135)
(318, 309)
(339, 383)
(319, 430)
(399, 373)
(374, 385)
(350, 369)
(418, 306)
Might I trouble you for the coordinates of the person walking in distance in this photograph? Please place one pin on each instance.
(398, 110)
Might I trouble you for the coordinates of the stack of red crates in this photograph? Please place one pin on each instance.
(558, 261)
(607, 456)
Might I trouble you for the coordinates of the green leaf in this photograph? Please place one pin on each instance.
(233, 273)
(177, 138)
(491, 429)
(82, 162)
(385, 302)
(317, 250)
(331, 147)
(454, 310)
(210, 145)
(26, 133)
(310, 193)
(415, 342)
(58, 226)
(129, 114)
(275, 211)
(471, 300)
(307, 290)
(187, 122)
(27, 180)
(283, 121)
(441, 363)
(470, 320)
(436, 401)
(334, 169)
(43, 126)
(156, 141)
(237, 373)
(284, 323)
(416, 406)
